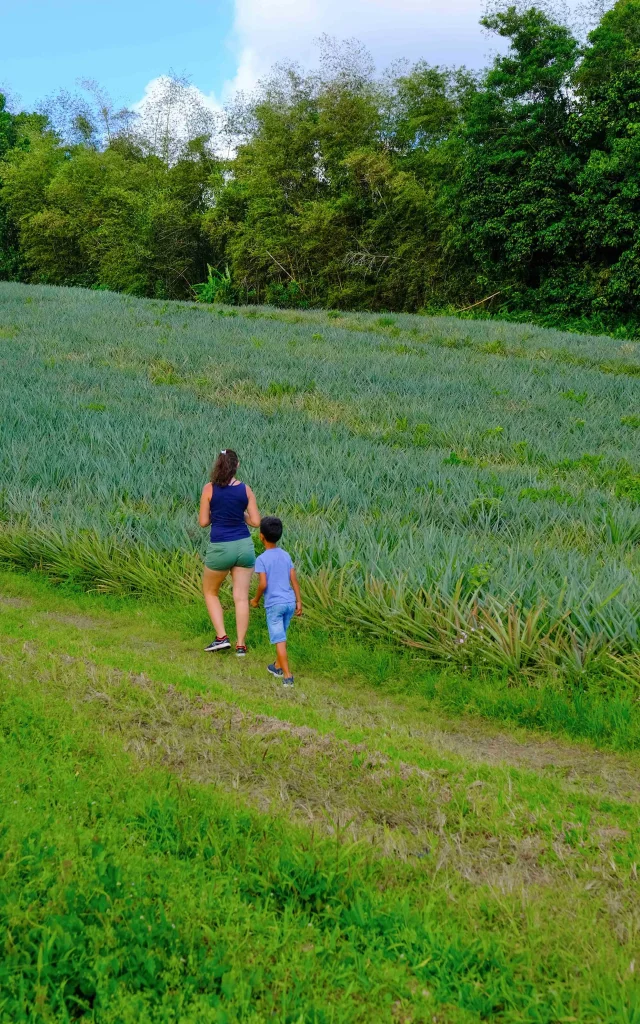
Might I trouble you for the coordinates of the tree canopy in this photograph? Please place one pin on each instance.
(514, 190)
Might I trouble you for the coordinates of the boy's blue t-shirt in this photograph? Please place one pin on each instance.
(278, 565)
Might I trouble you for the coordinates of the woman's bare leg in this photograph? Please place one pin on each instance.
(212, 580)
(241, 583)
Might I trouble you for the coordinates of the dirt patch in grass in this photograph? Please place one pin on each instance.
(79, 621)
(146, 645)
(576, 767)
(14, 602)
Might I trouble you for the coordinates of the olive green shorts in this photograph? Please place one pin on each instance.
(227, 554)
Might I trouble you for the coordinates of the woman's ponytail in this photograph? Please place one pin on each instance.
(224, 468)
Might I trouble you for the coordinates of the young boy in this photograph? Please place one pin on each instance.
(279, 584)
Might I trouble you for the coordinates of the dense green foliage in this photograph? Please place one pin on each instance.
(427, 188)
(311, 860)
(470, 488)
(16, 131)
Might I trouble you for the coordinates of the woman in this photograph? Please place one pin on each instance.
(230, 508)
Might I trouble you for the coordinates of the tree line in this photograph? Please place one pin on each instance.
(512, 191)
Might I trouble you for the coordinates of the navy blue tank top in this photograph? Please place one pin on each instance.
(227, 508)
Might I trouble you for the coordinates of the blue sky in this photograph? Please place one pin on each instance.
(123, 45)
(221, 44)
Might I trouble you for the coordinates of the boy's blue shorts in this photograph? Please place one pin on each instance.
(278, 618)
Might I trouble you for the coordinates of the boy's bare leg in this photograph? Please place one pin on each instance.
(281, 659)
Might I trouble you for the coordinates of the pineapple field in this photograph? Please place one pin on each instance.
(467, 489)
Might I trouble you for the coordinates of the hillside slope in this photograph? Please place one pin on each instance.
(468, 488)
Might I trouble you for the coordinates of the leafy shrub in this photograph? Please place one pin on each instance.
(486, 509)
(162, 371)
(495, 348)
(278, 388)
(574, 396)
(217, 288)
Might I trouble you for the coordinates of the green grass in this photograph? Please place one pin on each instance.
(440, 480)
(181, 842)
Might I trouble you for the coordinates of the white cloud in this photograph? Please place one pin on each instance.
(441, 31)
(268, 31)
(157, 87)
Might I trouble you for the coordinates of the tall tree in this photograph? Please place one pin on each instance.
(424, 187)
(332, 196)
(109, 218)
(513, 220)
(606, 126)
(16, 134)
(87, 117)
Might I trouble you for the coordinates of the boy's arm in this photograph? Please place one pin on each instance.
(296, 589)
(262, 586)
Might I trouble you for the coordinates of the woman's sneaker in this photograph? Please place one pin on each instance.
(221, 643)
(288, 682)
(275, 671)
(241, 650)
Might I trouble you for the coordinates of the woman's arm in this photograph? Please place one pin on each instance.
(204, 517)
(251, 515)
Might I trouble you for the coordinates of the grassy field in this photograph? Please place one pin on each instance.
(441, 823)
(182, 841)
(467, 488)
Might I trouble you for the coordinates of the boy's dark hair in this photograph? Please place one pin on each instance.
(271, 529)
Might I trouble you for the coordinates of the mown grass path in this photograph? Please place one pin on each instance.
(400, 725)
(519, 841)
